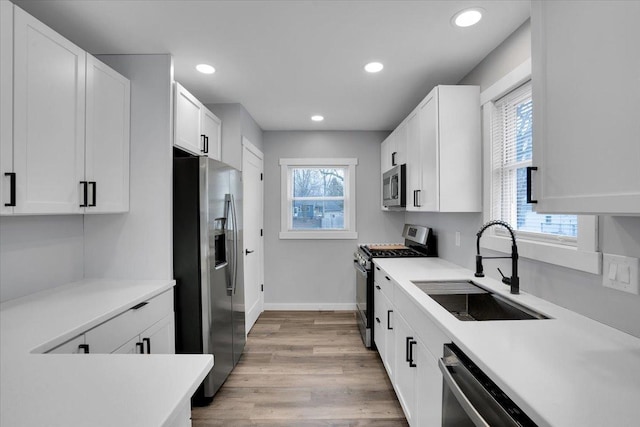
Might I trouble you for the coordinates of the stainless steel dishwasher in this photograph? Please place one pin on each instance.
(470, 398)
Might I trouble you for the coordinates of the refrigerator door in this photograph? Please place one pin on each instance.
(239, 332)
(219, 328)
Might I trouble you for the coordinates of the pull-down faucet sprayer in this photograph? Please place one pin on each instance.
(514, 280)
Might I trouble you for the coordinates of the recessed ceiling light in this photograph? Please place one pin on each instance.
(373, 67)
(467, 17)
(205, 68)
(317, 118)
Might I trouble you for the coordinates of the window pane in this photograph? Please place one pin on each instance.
(527, 220)
(524, 125)
(318, 215)
(318, 182)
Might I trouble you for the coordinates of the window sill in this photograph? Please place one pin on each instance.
(565, 256)
(335, 235)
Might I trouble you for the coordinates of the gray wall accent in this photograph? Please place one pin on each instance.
(38, 253)
(513, 51)
(138, 244)
(575, 290)
(236, 123)
(319, 273)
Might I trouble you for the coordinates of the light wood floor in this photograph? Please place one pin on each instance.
(305, 369)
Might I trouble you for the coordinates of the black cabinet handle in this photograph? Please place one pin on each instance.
(377, 268)
(207, 141)
(407, 349)
(84, 348)
(247, 252)
(389, 320)
(529, 170)
(84, 193)
(387, 277)
(411, 361)
(378, 287)
(204, 143)
(393, 158)
(140, 347)
(147, 341)
(12, 188)
(378, 319)
(95, 190)
(137, 306)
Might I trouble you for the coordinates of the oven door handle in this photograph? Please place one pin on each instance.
(464, 402)
(359, 268)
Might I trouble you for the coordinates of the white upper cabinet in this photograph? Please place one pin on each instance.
(107, 138)
(48, 119)
(212, 131)
(188, 116)
(6, 107)
(444, 152)
(65, 124)
(197, 130)
(586, 98)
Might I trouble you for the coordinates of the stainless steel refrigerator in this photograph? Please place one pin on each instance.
(207, 264)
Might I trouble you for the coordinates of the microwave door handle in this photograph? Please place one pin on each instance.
(464, 402)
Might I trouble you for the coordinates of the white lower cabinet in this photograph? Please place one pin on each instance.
(428, 388)
(405, 372)
(73, 346)
(409, 343)
(146, 328)
(158, 339)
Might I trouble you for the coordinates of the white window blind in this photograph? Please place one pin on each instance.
(512, 143)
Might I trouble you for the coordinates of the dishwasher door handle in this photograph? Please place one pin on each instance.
(464, 402)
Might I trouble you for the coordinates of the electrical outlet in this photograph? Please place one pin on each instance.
(621, 273)
(457, 238)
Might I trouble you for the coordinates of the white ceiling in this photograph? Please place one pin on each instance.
(287, 60)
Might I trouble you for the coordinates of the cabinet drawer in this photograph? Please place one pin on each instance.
(115, 332)
(428, 332)
(386, 283)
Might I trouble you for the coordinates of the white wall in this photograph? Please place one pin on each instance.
(38, 253)
(575, 290)
(138, 245)
(236, 123)
(318, 274)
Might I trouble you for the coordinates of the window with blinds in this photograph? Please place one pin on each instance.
(512, 143)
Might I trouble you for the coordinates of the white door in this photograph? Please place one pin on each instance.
(188, 116)
(49, 110)
(107, 138)
(252, 163)
(212, 131)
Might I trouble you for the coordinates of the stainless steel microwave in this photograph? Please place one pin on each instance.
(393, 187)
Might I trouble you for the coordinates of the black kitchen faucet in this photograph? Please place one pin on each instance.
(514, 280)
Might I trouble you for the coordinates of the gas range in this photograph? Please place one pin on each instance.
(419, 242)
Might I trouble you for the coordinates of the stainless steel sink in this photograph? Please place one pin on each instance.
(469, 302)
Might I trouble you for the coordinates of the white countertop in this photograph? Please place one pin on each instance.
(87, 389)
(565, 371)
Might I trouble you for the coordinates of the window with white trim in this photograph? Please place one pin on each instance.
(564, 240)
(511, 147)
(318, 198)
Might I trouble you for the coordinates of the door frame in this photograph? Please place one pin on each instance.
(254, 311)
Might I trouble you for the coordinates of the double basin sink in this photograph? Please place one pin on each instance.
(468, 301)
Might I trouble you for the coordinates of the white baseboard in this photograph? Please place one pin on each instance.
(310, 306)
